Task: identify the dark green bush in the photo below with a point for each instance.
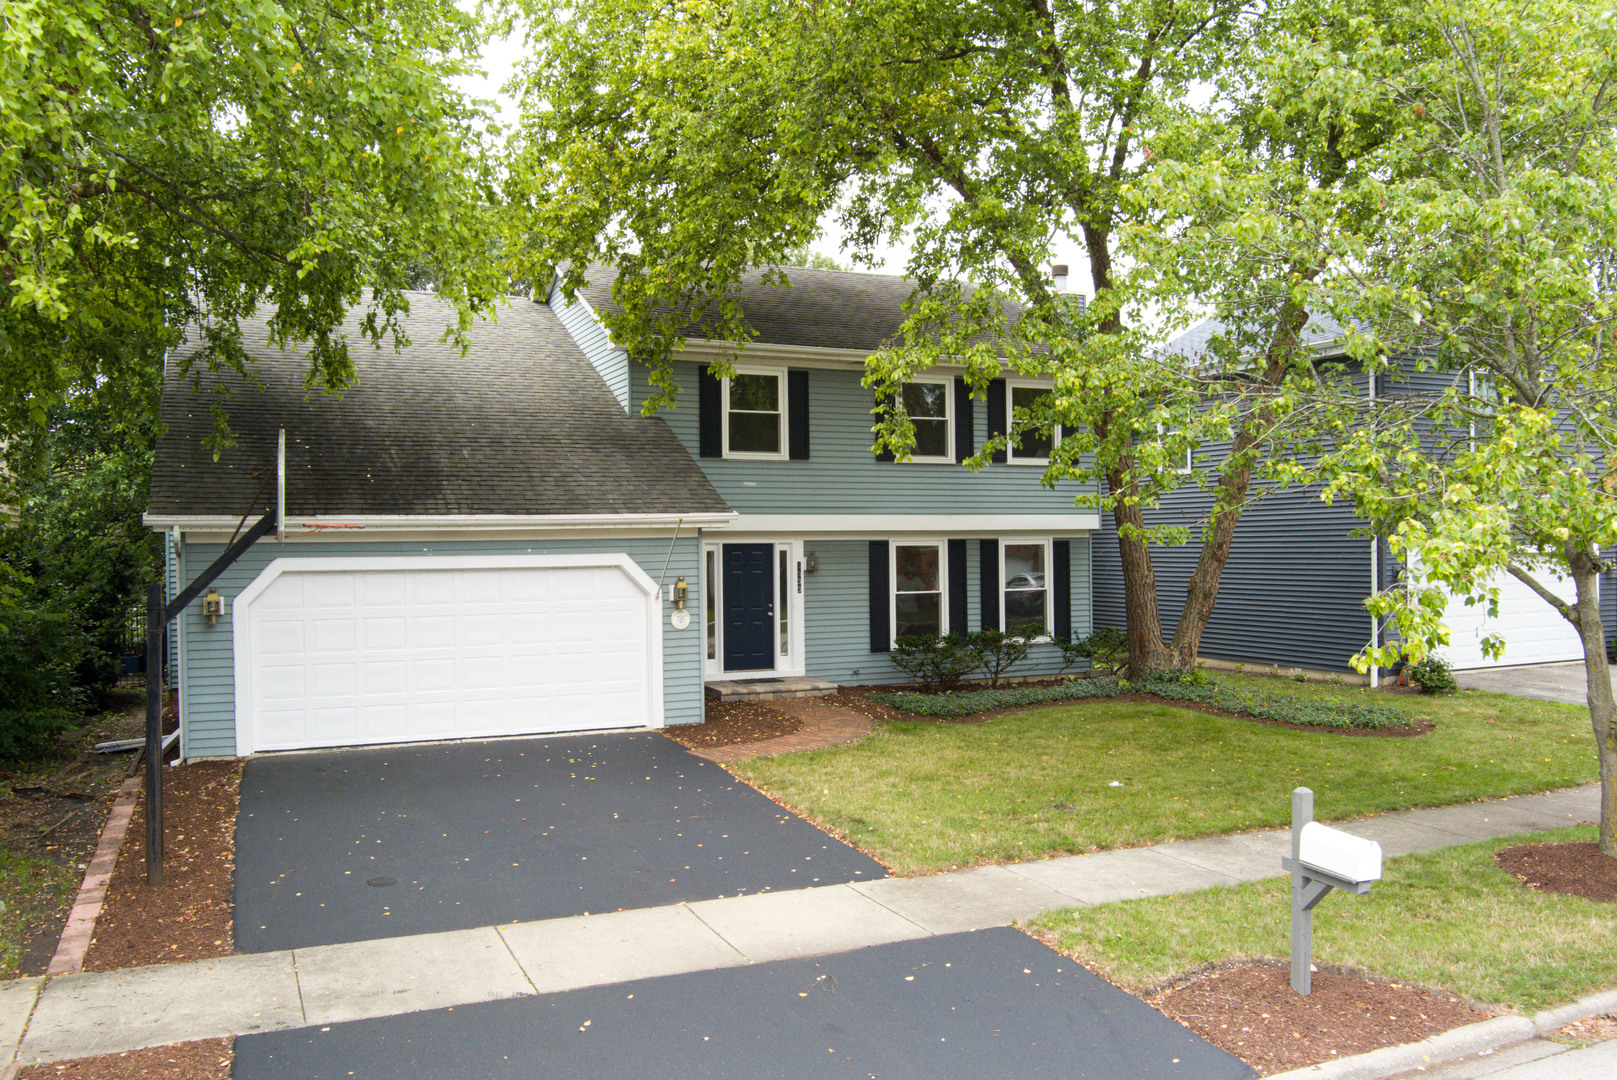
(1106, 649)
(996, 652)
(970, 702)
(1434, 675)
(937, 663)
(38, 697)
(1194, 687)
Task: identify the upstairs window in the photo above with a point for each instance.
(927, 403)
(1027, 444)
(754, 414)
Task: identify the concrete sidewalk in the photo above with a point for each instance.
(85, 1014)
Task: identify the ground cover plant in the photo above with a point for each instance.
(1060, 779)
(31, 891)
(1339, 711)
(1448, 919)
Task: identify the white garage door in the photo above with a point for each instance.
(334, 652)
(1532, 630)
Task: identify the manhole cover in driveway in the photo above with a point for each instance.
(482, 833)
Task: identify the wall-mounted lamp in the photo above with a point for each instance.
(213, 606)
(811, 563)
(682, 593)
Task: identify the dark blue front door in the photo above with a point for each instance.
(749, 607)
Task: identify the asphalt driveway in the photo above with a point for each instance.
(351, 845)
(1543, 682)
(992, 1003)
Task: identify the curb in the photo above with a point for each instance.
(80, 928)
(1460, 1042)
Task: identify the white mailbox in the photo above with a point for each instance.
(1339, 854)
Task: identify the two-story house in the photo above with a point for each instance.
(499, 544)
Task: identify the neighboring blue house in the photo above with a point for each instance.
(1293, 591)
(491, 544)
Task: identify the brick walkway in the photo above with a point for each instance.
(824, 724)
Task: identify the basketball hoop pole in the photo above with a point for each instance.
(280, 486)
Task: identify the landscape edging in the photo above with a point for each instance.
(1492, 1034)
(80, 929)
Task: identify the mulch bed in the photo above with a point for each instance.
(856, 698)
(54, 811)
(206, 1059)
(1575, 869)
(189, 916)
(1253, 1013)
(730, 723)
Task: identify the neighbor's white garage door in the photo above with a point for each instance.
(1533, 632)
(334, 653)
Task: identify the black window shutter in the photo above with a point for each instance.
(965, 440)
(709, 414)
(797, 415)
(996, 413)
(881, 626)
(989, 550)
(885, 454)
(1061, 582)
(957, 587)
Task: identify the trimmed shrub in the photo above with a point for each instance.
(971, 702)
(1192, 688)
(1434, 675)
(937, 663)
(996, 652)
(1106, 648)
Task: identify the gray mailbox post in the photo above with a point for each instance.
(1322, 859)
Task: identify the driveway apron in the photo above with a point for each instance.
(991, 1003)
(351, 845)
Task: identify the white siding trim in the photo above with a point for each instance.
(241, 624)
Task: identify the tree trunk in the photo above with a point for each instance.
(1147, 652)
(1585, 568)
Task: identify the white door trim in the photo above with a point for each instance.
(241, 624)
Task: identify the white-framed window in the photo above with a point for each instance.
(1024, 592)
(930, 404)
(1183, 466)
(919, 606)
(754, 419)
(1028, 447)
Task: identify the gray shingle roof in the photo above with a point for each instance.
(822, 309)
(1320, 332)
(521, 424)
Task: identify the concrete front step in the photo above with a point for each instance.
(769, 689)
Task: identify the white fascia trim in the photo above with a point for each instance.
(241, 609)
(450, 522)
(900, 524)
(762, 352)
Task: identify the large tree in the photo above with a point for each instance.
(684, 142)
(1494, 267)
(171, 165)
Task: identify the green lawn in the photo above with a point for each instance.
(1449, 920)
(923, 796)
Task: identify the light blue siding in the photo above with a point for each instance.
(836, 614)
(587, 331)
(208, 704)
(842, 476)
